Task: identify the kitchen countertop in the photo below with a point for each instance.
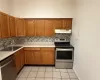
(37, 44)
(5, 54)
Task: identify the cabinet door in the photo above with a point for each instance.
(4, 25)
(18, 61)
(37, 57)
(67, 24)
(20, 27)
(29, 57)
(57, 24)
(29, 27)
(12, 26)
(39, 27)
(22, 58)
(49, 29)
(48, 56)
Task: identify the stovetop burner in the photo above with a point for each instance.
(63, 45)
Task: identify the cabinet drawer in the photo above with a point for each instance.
(29, 48)
(48, 49)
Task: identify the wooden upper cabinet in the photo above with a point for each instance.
(4, 25)
(49, 29)
(39, 28)
(12, 26)
(57, 24)
(67, 24)
(20, 27)
(29, 27)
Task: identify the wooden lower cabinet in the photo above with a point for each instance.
(32, 56)
(19, 60)
(29, 57)
(47, 56)
(39, 56)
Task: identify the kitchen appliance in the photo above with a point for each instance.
(64, 54)
(62, 31)
(8, 69)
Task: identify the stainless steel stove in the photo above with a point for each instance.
(64, 54)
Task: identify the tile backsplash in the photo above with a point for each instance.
(6, 42)
(21, 40)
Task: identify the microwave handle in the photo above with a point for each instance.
(59, 49)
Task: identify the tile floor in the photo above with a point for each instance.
(46, 73)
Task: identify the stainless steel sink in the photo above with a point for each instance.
(11, 48)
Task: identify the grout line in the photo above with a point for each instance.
(37, 73)
(69, 76)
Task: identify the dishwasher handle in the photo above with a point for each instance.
(6, 64)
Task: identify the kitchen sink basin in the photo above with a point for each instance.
(11, 48)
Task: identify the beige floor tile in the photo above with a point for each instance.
(30, 79)
(40, 75)
(64, 75)
(41, 69)
(63, 70)
(48, 78)
(32, 74)
(55, 70)
(72, 75)
(49, 69)
(39, 79)
(20, 73)
(56, 75)
(27, 69)
(24, 74)
(70, 70)
(48, 74)
(65, 79)
(34, 69)
(21, 79)
(45, 73)
(57, 79)
(74, 79)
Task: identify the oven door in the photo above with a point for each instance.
(65, 55)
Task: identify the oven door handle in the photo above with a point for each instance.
(58, 49)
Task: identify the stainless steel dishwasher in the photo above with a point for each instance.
(8, 69)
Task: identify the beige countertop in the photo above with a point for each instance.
(37, 44)
(5, 54)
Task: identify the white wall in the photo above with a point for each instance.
(86, 39)
(43, 8)
(5, 6)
